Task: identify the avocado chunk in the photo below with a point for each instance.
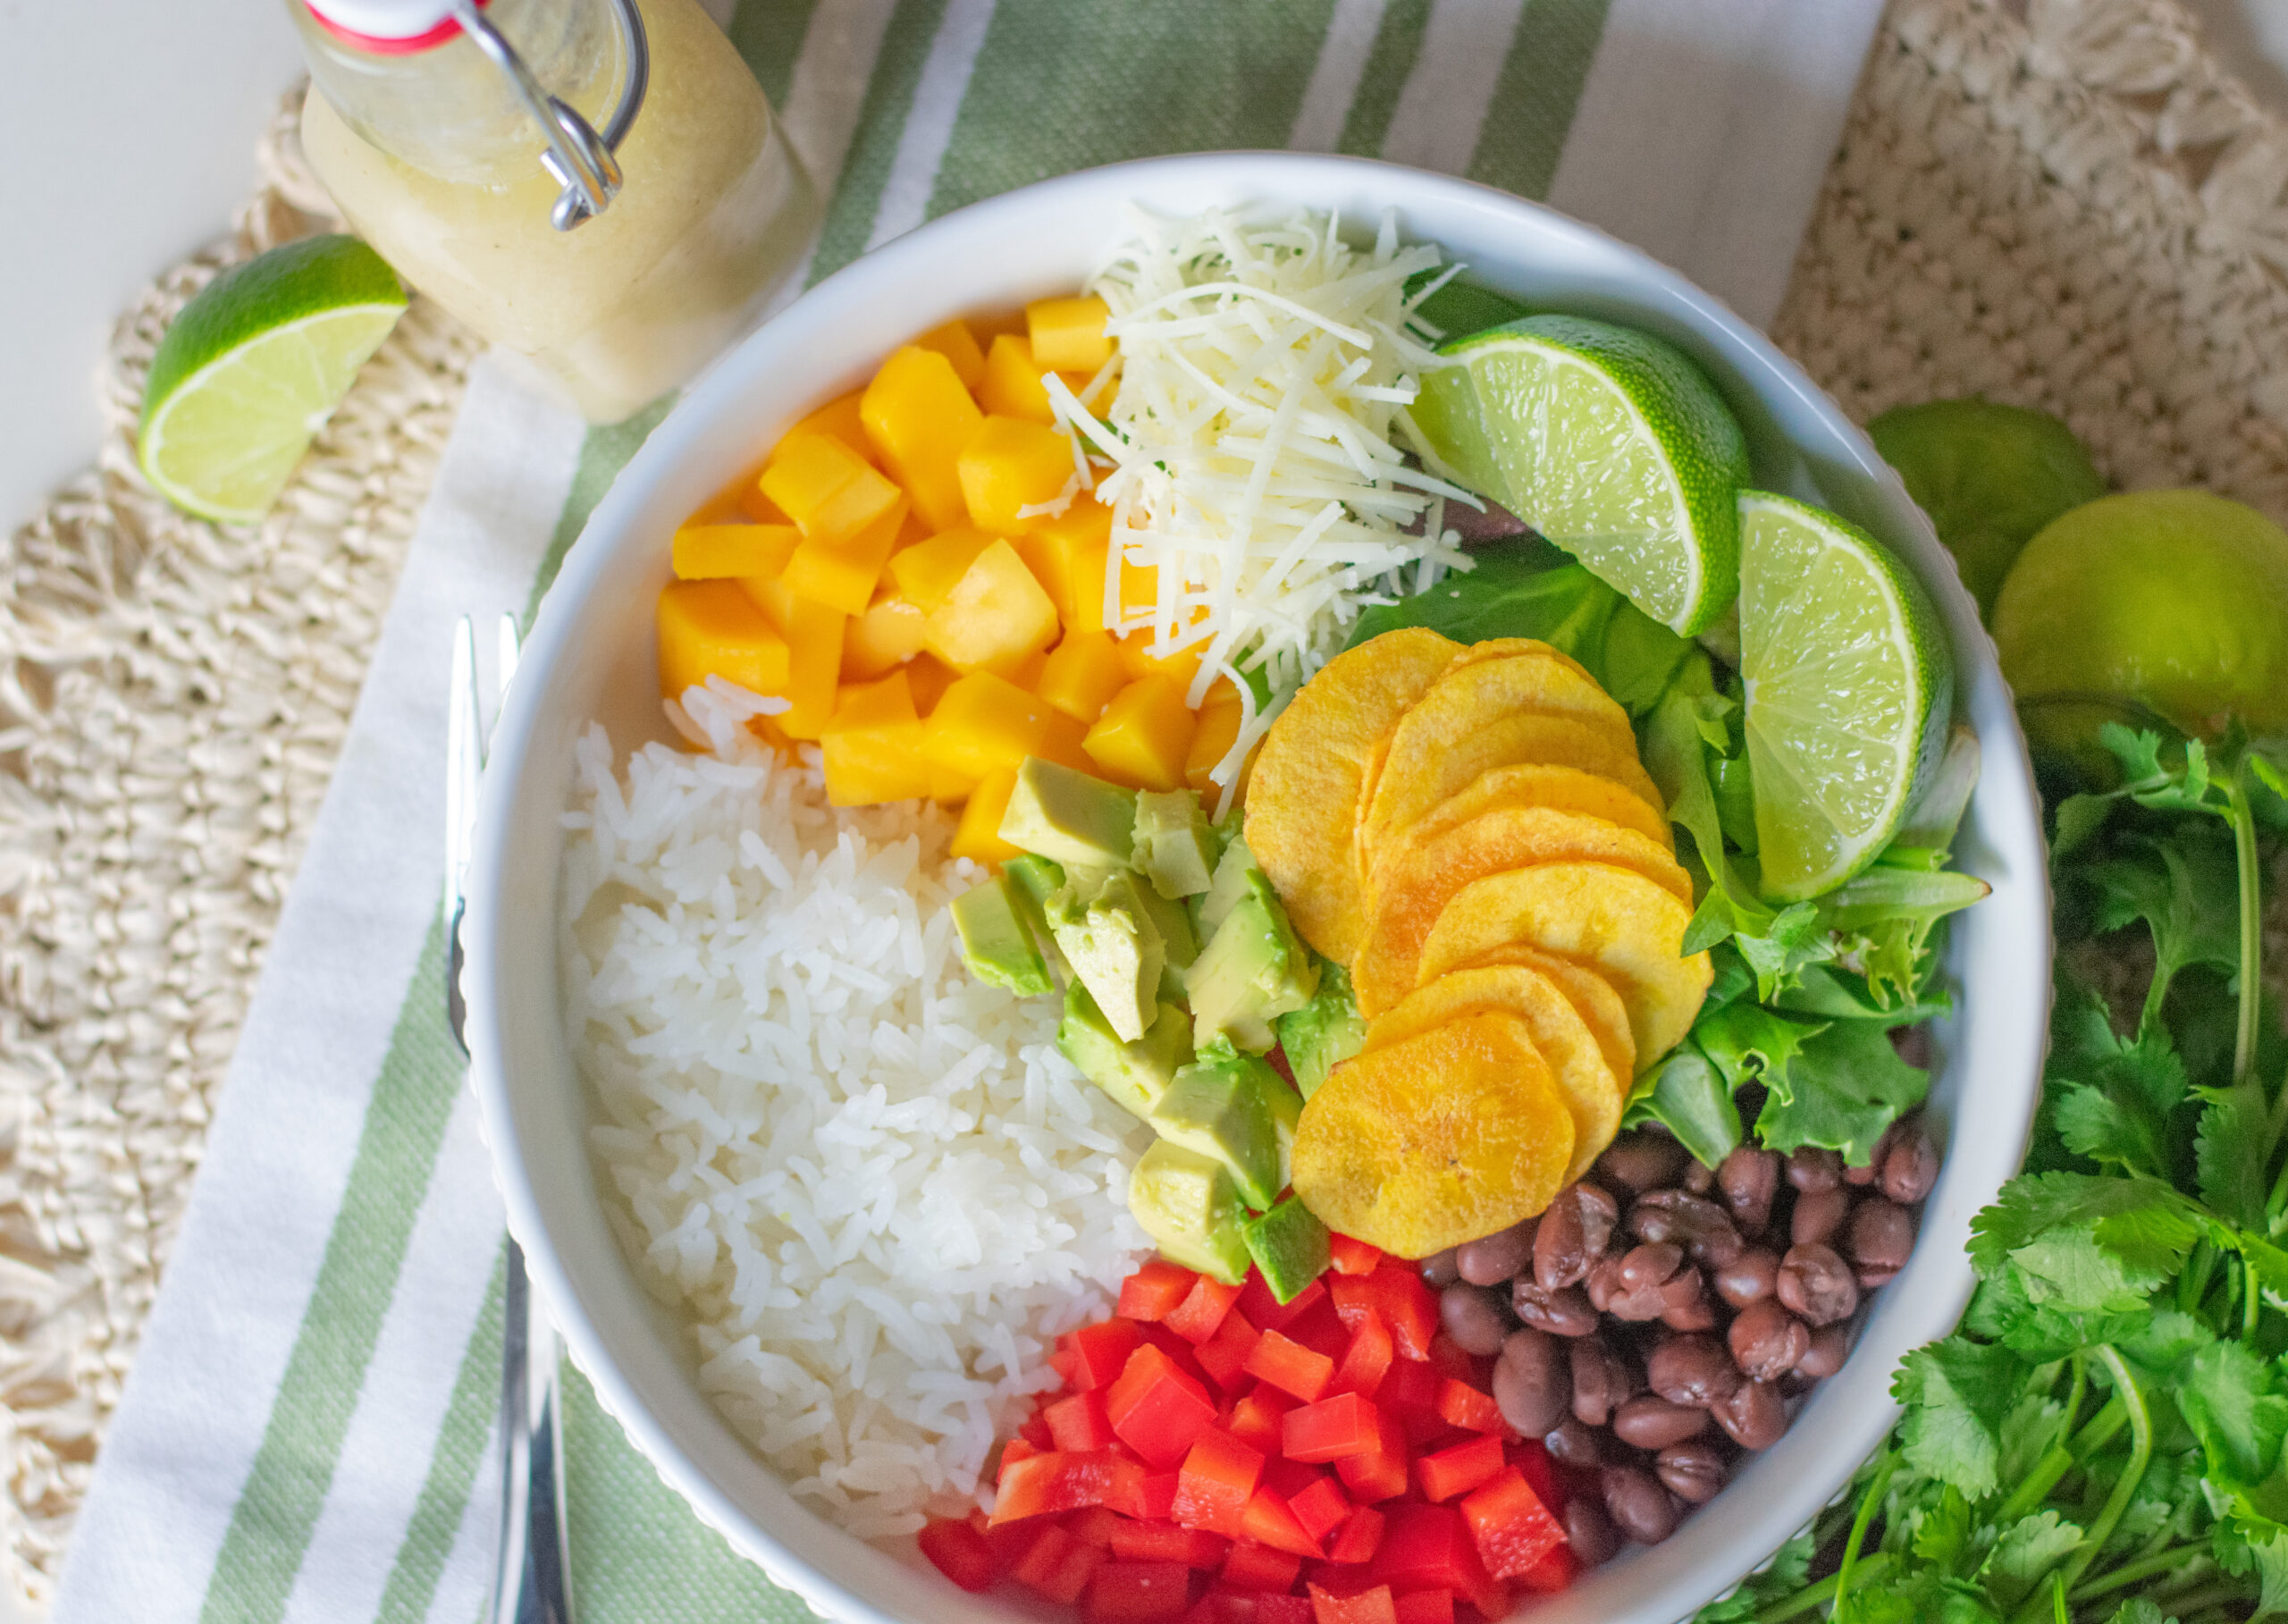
(1032, 882)
(1069, 817)
(1135, 1074)
(1225, 886)
(996, 940)
(1187, 1203)
(1174, 842)
(1224, 1104)
(1179, 947)
(1290, 1246)
(1252, 971)
(1325, 1032)
(1113, 947)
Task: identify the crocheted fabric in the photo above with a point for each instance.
(2062, 204)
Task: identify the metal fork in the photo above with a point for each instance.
(532, 1583)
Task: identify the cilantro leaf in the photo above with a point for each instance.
(2271, 1554)
(2233, 1152)
(2138, 1609)
(2085, 1243)
(2023, 1557)
(1844, 1086)
(2232, 1401)
(1956, 1393)
(2123, 1133)
(2186, 890)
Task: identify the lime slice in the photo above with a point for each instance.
(253, 368)
(1609, 441)
(1848, 686)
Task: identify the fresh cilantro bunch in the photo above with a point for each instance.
(2102, 1438)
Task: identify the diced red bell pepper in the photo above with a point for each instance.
(1288, 1479)
(1180, 1353)
(1321, 1330)
(960, 1553)
(1446, 1354)
(1283, 1610)
(1061, 1481)
(1459, 1469)
(1374, 1606)
(1093, 1526)
(1553, 1572)
(1461, 1405)
(1057, 1565)
(1290, 1367)
(1099, 1353)
(1352, 1257)
(1513, 1528)
(1367, 1359)
(1154, 1291)
(1260, 1305)
(1254, 1567)
(1008, 1542)
(1269, 1521)
(1212, 1489)
(1407, 1307)
(1359, 1538)
(1320, 1508)
(1060, 1359)
(1015, 1450)
(1427, 1607)
(1203, 1309)
(1379, 1472)
(1035, 1430)
(1156, 1499)
(1165, 1542)
(1430, 1548)
(1224, 1355)
(1080, 1420)
(1331, 1429)
(1132, 1593)
(1412, 1389)
(1255, 1420)
(1156, 1410)
(1532, 1458)
(1222, 1606)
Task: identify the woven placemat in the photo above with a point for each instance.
(2062, 204)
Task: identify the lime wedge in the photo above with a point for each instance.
(1850, 689)
(253, 368)
(1609, 441)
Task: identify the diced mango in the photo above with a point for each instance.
(1066, 554)
(958, 344)
(1009, 466)
(1179, 668)
(838, 419)
(1211, 739)
(996, 616)
(715, 629)
(882, 639)
(930, 678)
(1081, 675)
(927, 572)
(1013, 385)
(813, 634)
(978, 836)
(828, 490)
(1143, 737)
(750, 504)
(986, 722)
(1069, 333)
(715, 553)
(872, 744)
(840, 571)
(919, 415)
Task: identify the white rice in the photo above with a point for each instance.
(871, 1181)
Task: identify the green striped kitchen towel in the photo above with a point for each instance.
(306, 1435)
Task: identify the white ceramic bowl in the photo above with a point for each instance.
(591, 656)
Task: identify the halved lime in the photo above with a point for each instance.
(1850, 689)
(1609, 441)
(252, 368)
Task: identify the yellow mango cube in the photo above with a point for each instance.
(828, 490)
(958, 344)
(1081, 675)
(919, 415)
(1009, 466)
(925, 573)
(985, 722)
(1069, 333)
(841, 571)
(813, 634)
(872, 745)
(1217, 727)
(715, 629)
(882, 639)
(978, 836)
(929, 677)
(996, 616)
(715, 553)
(1180, 668)
(1066, 552)
(1144, 735)
(838, 419)
(1013, 386)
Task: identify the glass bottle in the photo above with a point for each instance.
(436, 155)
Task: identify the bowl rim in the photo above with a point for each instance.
(2006, 1125)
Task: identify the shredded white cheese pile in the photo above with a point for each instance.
(1263, 368)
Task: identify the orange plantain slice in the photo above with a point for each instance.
(1627, 928)
(1541, 784)
(1593, 1092)
(1435, 1140)
(1303, 795)
(1590, 994)
(1417, 877)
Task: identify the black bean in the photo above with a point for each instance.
(1817, 1285)
(1813, 1168)
(1589, 1531)
(1693, 1470)
(1881, 1234)
(1913, 1045)
(1819, 1214)
(1533, 1381)
(1692, 1222)
(1692, 1370)
(1641, 1161)
(1570, 1443)
(1767, 1342)
(1684, 1302)
(1639, 1505)
(1699, 1177)
(1565, 1312)
(1573, 1235)
(1473, 1317)
(1602, 1383)
(1492, 1259)
(1755, 1418)
(1830, 1345)
(1637, 1277)
(1649, 1421)
(1749, 1179)
(1912, 1167)
(1438, 1270)
(1750, 1277)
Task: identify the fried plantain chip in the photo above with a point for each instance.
(1434, 1140)
(1303, 796)
(1591, 996)
(1593, 1092)
(1417, 878)
(1621, 925)
(1542, 784)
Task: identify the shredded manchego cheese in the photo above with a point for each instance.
(1247, 453)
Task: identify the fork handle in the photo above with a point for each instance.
(534, 1584)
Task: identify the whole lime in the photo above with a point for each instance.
(2173, 603)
